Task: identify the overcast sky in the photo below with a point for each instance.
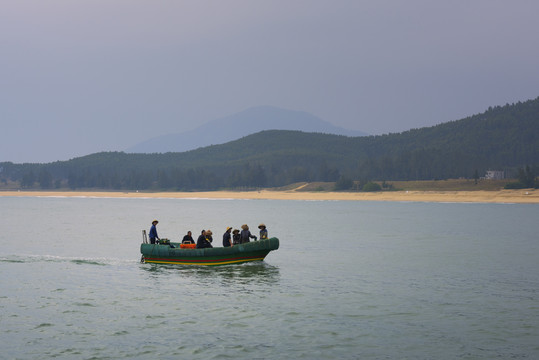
(78, 77)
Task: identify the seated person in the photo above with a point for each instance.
(209, 237)
(236, 237)
(202, 242)
(188, 239)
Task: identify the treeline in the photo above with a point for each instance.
(502, 138)
(527, 178)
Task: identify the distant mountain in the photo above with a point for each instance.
(235, 126)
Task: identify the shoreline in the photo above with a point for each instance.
(520, 196)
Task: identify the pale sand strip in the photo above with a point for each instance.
(530, 196)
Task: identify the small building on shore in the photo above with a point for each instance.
(495, 175)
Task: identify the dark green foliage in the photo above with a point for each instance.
(371, 187)
(28, 179)
(526, 179)
(45, 179)
(502, 138)
(344, 183)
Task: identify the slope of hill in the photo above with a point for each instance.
(502, 138)
(238, 125)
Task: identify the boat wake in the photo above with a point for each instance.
(30, 258)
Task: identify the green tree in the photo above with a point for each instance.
(45, 179)
(344, 183)
(526, 177)
(28, 179)
(371, 187)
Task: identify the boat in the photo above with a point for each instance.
(172, 253)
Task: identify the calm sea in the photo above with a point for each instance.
(351, 280)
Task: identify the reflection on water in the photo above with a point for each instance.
(258, 272)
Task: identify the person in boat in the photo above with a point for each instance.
(153, 232)
(236, 237)
(188, 239)
(202, 242)
(245, 234)
(227, 237)
(263, 231)
(209, 236)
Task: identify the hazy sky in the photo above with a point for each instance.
(82, 76)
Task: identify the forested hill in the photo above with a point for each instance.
(502, 138)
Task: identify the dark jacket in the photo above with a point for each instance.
(236, 239)
(203, 243)
(188, 240)
(153, 234)
(226, 239)
(245, 235)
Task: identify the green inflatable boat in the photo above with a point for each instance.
(166, 254)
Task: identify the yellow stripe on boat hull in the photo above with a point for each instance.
(202, 263)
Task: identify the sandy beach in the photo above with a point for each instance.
(525, 196)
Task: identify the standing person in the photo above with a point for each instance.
(188, 239)
(227, 237)
(153, 232)
(245, 234)
(236, 237)
(263, 231)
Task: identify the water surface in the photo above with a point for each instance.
(351, 280)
